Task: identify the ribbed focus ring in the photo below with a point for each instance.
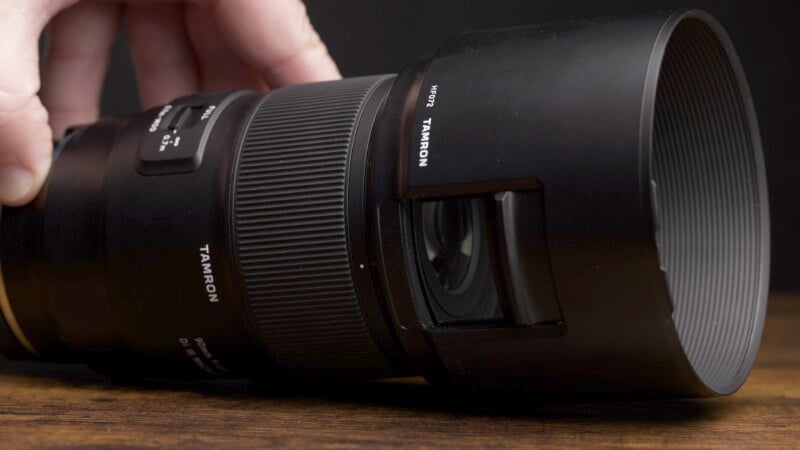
(291, 232)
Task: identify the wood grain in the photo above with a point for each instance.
(69, 406)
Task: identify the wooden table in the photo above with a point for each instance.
(64, 406)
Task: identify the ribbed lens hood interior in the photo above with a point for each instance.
(710, 200)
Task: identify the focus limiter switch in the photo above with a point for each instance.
(176, 138)
(187, 116)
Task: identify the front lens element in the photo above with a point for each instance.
(453, 243)
(449, 235)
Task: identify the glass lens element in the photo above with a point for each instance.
(447, 229)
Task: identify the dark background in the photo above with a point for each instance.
(380, 36)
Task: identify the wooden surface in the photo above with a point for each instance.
(66, 406)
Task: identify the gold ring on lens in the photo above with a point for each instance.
(11, 319)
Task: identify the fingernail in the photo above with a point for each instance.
(15, 183)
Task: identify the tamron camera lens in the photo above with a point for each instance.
(576, 207)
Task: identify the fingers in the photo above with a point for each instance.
(273, 41)
(79, 42)
(220, 68)
(25, 137)
(224, 44)
(25, 148)
(165, 62)
(277, 39)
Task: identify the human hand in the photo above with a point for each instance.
(178, 48)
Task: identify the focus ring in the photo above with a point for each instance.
(290, 230)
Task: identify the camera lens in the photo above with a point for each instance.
(564, 208)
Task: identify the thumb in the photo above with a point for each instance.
(25, 136)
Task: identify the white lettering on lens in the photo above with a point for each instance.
(157, 122)
(208, 274)
(424, 142)
(207, 112)
(432, 96)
